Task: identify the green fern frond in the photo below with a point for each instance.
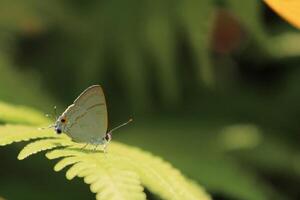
(199, 35)
(17, 133)
(21, 115)
(42, 145)
(118, 174)
(157, 175)
(199, 192)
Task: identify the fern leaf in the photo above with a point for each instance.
(21, 115)
(198, 192)
(157, 175)
(125, 182)
(199, 35)
(42, 145)
(105, 179)
(118, 174)
(159, 37)
(77, 168)
(66, 162)
(18, 133)
(60, 153)
(157, 172)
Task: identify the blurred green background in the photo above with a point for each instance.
(213, 87)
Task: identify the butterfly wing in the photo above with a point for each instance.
(87, 116)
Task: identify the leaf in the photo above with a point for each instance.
(12, 84)
(132, 74)
(161, 42)
(287, 45)
(288, 10)
(42, 145)
(21, 115)
(240, 136)
(118, 174)
(212, 166)
(273, 156)
(18, 133)
(249, 12)
(197, 18)
(152, 31)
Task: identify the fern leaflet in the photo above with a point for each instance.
(119, 174)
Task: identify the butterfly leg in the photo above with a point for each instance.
(104, 148)
(106, 141)
(95, 149)
(96, 142)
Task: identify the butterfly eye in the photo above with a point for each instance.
(63, 120)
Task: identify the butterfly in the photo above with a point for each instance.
(86, 120)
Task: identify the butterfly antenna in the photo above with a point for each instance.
(48, 116)
(55, 112)
(130, 120)
(54, 117)
(50, 126)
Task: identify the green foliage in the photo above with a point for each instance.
(137, 43)
(132, 33)
(213, 164)
(119, 174)
(15, 115)
(247, 13)
(152, 54)
(13, 80)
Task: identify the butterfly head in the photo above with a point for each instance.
(60, 124)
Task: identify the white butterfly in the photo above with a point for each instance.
(86, 119)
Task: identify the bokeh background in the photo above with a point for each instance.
(213, 87)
